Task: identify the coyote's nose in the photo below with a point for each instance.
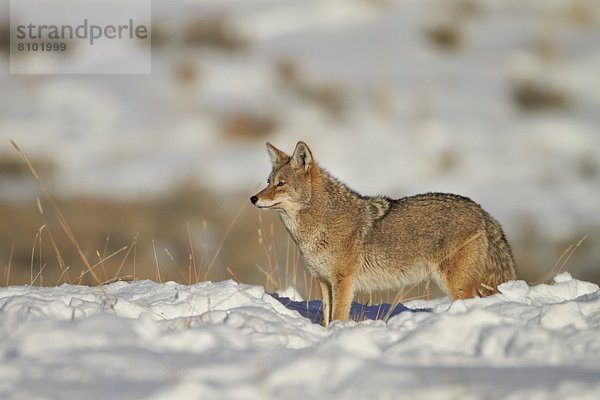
(253, 199)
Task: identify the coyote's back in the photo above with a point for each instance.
(445, 236)
(352, 242)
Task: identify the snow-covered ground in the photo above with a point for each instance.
(225, 340)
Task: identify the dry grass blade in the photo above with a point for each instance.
(225, 236)
(192, 266)
(59, 257)
(158, 277)
(59, 215)
(8, 267)
(235, 278)
(65, 226)
(122, 249)
(287, 261)
(399, 297)
(267, 243)
(271, 282)
(102, 260)
(63, 273)
(564, 257)
(132, 245)
(177, 268)
(42, 268)
(38, 235)
(100, 257)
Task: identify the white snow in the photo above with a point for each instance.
(226, 340)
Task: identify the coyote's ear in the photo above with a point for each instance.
(302, 157)
(277, 156)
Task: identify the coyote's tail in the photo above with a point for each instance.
(500, 263)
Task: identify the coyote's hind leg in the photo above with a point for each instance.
(461, 271)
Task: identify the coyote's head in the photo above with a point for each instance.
(289, 184)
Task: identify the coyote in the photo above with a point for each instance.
(355, 243)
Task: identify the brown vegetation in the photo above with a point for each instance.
(12, 166)
(4, 36)
(447, 36)
(329, 97)
(535, 96)
(215, 31)
(248, 125)
(188, 235)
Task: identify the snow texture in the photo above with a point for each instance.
(226, 340)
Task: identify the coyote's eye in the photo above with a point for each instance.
(280, 183)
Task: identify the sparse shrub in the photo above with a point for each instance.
(329, 97)
(288, 71)
(4, 36)
(446, 36)
(13, 167)
(247, 125)
(469, 8)
(588, 166)
(160, 35)
(445, 30)
(215, 31)
(187, 73)
(103, 226)
(547, 47)
(581, 13)
(535, 96)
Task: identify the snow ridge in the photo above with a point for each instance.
(229, 340)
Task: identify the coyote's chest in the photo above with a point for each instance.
(313, 241)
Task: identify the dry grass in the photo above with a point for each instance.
(4, 36)
(446, 36)
(588, 167)
(248, 125)
(562, 261)
(535, 96)
(185, 248)
(327, 96)
(161, 36)
(161, 239)
(59, 216)
(215, 31)
(446, 28)
(12, 166)
(581, 13)
(187, 73)
(186, 236)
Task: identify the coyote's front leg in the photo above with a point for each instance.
(343, 292)
(326, 299)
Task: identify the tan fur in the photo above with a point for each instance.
(357, 243)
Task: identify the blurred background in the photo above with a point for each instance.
(498, 101)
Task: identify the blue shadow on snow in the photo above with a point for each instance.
(313, 309)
